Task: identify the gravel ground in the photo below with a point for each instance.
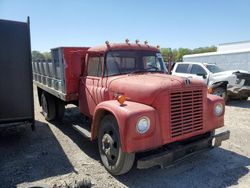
(55, 154)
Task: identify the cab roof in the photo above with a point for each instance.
(123, 46)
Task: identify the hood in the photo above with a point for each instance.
(144, 88)
(228, 73)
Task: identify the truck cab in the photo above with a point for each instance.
(135, 106)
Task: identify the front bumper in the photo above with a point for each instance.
(180, 152)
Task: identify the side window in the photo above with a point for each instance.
(95, 66)
(182, 68)
(197, 69)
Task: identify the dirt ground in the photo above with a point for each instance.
(55, 154)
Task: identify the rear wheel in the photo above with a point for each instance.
(221, 92)
(113, 158)
(48, 106)
(244, 98)
(60, 109)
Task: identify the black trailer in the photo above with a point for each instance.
(16, 88)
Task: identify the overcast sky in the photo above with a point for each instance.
(176, 23)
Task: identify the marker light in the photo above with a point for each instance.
(127, 41)
(158, 46)
(121, 99)
(137, 41)
(146, 42)
(210, 90)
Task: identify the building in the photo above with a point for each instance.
(229, 56)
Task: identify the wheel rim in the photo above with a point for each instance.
(44, 106)
(110, 148)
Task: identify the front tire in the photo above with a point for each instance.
(113, 158)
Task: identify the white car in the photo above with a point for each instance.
(227, 84)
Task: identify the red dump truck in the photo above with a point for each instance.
(135, 107)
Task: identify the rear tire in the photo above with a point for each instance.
(60, 109)
(113, 158)
(48, 106)
(244, 98)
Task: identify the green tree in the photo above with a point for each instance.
(47, 56)
(166, 53)
(176, 55)
(37, 56)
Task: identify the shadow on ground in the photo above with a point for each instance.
(216, 168)
(73, 117)
(27, 156)
(239, 103)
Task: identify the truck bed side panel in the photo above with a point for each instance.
(57, 77)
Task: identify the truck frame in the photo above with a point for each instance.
(135, 107)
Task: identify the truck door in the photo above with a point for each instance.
(92, 88)
(198, 72)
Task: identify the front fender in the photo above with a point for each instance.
(214, 122)
(127, 116)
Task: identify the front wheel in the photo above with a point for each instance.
(113, 158)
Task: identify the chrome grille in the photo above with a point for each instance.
(186, 112)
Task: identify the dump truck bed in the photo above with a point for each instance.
(58, 77)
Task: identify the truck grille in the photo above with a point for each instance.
(186, 114)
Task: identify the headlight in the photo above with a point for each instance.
(143, 125)
(218, 109)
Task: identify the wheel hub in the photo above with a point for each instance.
(109, 148)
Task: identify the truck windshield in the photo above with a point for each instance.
(128, 62)
(214, 68)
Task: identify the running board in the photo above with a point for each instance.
(83, 131)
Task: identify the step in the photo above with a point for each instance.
(83, 130)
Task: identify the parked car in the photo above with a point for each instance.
(227, 84)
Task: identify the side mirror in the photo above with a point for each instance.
(203, 75)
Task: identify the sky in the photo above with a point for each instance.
(168, 23)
